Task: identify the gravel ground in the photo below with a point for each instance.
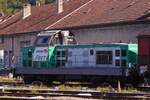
(71, 98)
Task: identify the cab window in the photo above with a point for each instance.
(42, 40)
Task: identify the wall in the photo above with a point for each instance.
(11, 46)
(6, 48)
(22, 38)
(113, 34)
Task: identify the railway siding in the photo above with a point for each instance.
(47, 93)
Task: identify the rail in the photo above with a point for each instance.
(47, 93)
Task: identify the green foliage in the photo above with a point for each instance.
(33, 2)
(9, 7)
(49, 1)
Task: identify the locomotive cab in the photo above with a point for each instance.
(42, 54)
(52, 38)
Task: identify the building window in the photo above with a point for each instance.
(117, 62)
(103, 57)
(25, 44)
(123, 53)
(1, 39)
(117, 53)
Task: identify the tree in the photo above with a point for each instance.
(33, 2)
(49, 1)
(9, 7)
(3, 6)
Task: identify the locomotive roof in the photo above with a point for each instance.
(124, 45)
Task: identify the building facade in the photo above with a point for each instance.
(126, 33)
(10, 48)
(111, 34)
(91, 21)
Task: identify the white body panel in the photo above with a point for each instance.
(81, 57)
(40, 54)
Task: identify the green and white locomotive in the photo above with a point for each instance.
(57, 56)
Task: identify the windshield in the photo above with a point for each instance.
(43, 40)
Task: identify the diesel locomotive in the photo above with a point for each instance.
(56, 55)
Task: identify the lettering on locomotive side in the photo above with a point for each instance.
(40, 54)
(40, 58)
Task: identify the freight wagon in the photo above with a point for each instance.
(57, 56)
(144, 55)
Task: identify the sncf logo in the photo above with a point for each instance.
(42, 51)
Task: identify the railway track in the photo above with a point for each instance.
(47, 94)
(144, 88)
(43, 94)
(12, 83)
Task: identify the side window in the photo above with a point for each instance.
(61, 57)
(104, 57)
(30, 54)
(61, 62)
(58, 54)
(123, 53)
(117, 53)
(63, 53)
(55, 40)
(117, 62)
(91, 52)
(123, 63)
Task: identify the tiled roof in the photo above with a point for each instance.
(3, 19)
(77, 13)
(40, 18)
(106, 11)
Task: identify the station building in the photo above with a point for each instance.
(91, 21)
